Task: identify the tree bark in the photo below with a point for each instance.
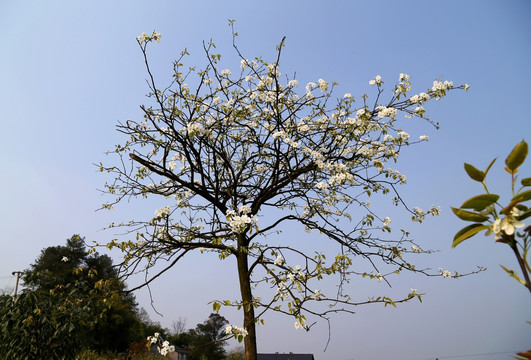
(248, 309)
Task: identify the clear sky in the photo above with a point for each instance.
(69, 71)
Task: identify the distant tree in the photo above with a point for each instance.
(237, 156)
(150, 327)
(71, 293)
(48, 325)
(237, 353)
(206, 341)
(61, 261)
(178, 326)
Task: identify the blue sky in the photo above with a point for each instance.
(69, 71)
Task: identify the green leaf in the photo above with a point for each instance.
(474, 173)
(517, 156)
(490, 165)
(467, 232)
(526, 181)
(216, 306)
(480, 202)
(525, 215)
(469, 215)
(526, 195)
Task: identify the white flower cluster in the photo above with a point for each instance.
(235, 330)
(420, 98)
(508, 224)
(145, 37)
(317, 294)
(194, 128)
(323, 85)
(388, 112)
(166, 347)
(163, 211)
(439, 88)
(340, 178)
(153, 339)
(282, 134)
(300, 324)
(445, 273)
(238, 222)
(321, 185)
(419, 214)
(278, 260)
(282, 290)
(416, 249)
(296, 272)
(403, 135)
(376, 81)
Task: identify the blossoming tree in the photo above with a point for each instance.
(243, 153)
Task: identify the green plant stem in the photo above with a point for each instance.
(522, 264)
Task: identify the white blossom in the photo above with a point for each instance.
(445, 273)
(403, 135)
(143, 37)
(235, 330)
(310, 86)
(439, 88)
(377, 80)
(386, 112)
(239, 222)
(293, 83)
(404, 77)
(323, 85)
(420, 98)
(321, 185)
(244, 209)
(300, 324)
(228, 329)
(163, 211)
(156, 36)
(419, 215)
(317, 294)
(194, 128)
(508, 224)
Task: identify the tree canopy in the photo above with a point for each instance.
(206, 341)
(236, 156)
(72, 300)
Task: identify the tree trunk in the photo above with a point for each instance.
(248, 309)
